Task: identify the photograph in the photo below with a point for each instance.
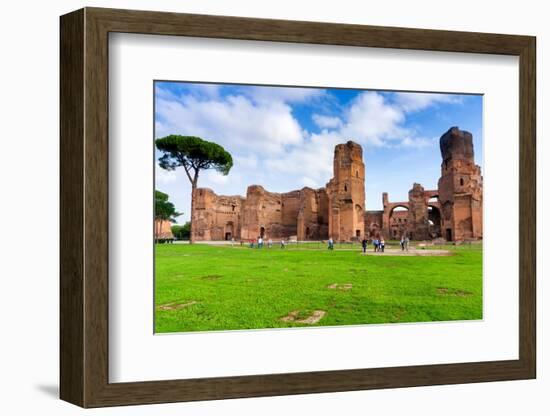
(280, 206)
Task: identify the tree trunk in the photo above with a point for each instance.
(194, 182)
(193, 191)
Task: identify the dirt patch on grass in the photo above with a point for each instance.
(174, 306)
(462, 293)
(397, 314)
(453, 292)
(211, 277)
(340, 286)
(294, 316)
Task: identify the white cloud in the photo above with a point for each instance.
(311, 160)
(372, 120)
(235, 122)
(309, 182)
(214, 177)
(410, 102)
(282, 94)
(208, 90)
(163, 176)
(327, 122)
(416, 142)
(249, 161)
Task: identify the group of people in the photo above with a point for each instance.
(259, 243)
(379, 244)
(404, 243)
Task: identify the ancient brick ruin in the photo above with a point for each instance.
(453, 211)
(460, 187)
(163, 230)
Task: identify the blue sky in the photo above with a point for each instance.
(283, 138)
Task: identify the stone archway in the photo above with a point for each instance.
(229, 231)
(388, 216)
(434, 221)
(398, 221)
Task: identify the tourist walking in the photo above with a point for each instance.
(283, 243)
(269, 243)
(407, 243)
(375, 243)
(260, 242)
(382, 244)
(402, 242)
(364, 244)
(330, 244)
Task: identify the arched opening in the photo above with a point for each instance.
(229, 233)
(434, 221)
(461, 181)
(262, 232)
(398, 221)
(345, 187)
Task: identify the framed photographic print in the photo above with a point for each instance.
(255, 207)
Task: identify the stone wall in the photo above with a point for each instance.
(417, 220)
(373, 223)
(453, 211)
(216, 217)
(346, 193)
(419, 217)
(460, 187)
(163, 230)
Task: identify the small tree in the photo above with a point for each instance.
(193, 154)
(181, 232)
(164, 211)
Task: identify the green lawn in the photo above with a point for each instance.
(200, 287)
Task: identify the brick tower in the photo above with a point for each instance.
(417, 217)
(346, 193)
(460, 187)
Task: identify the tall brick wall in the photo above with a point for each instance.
(460, 187)
(346, 193)
(453, 211)
(216, 217)
(163, 230)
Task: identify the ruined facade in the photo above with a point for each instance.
(163, 230)
(346, 193)
(419, 217)
(453, 211)
(460, 187)
(336, 210)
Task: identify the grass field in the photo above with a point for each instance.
(203, 287)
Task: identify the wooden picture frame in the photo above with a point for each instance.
(84, 207)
